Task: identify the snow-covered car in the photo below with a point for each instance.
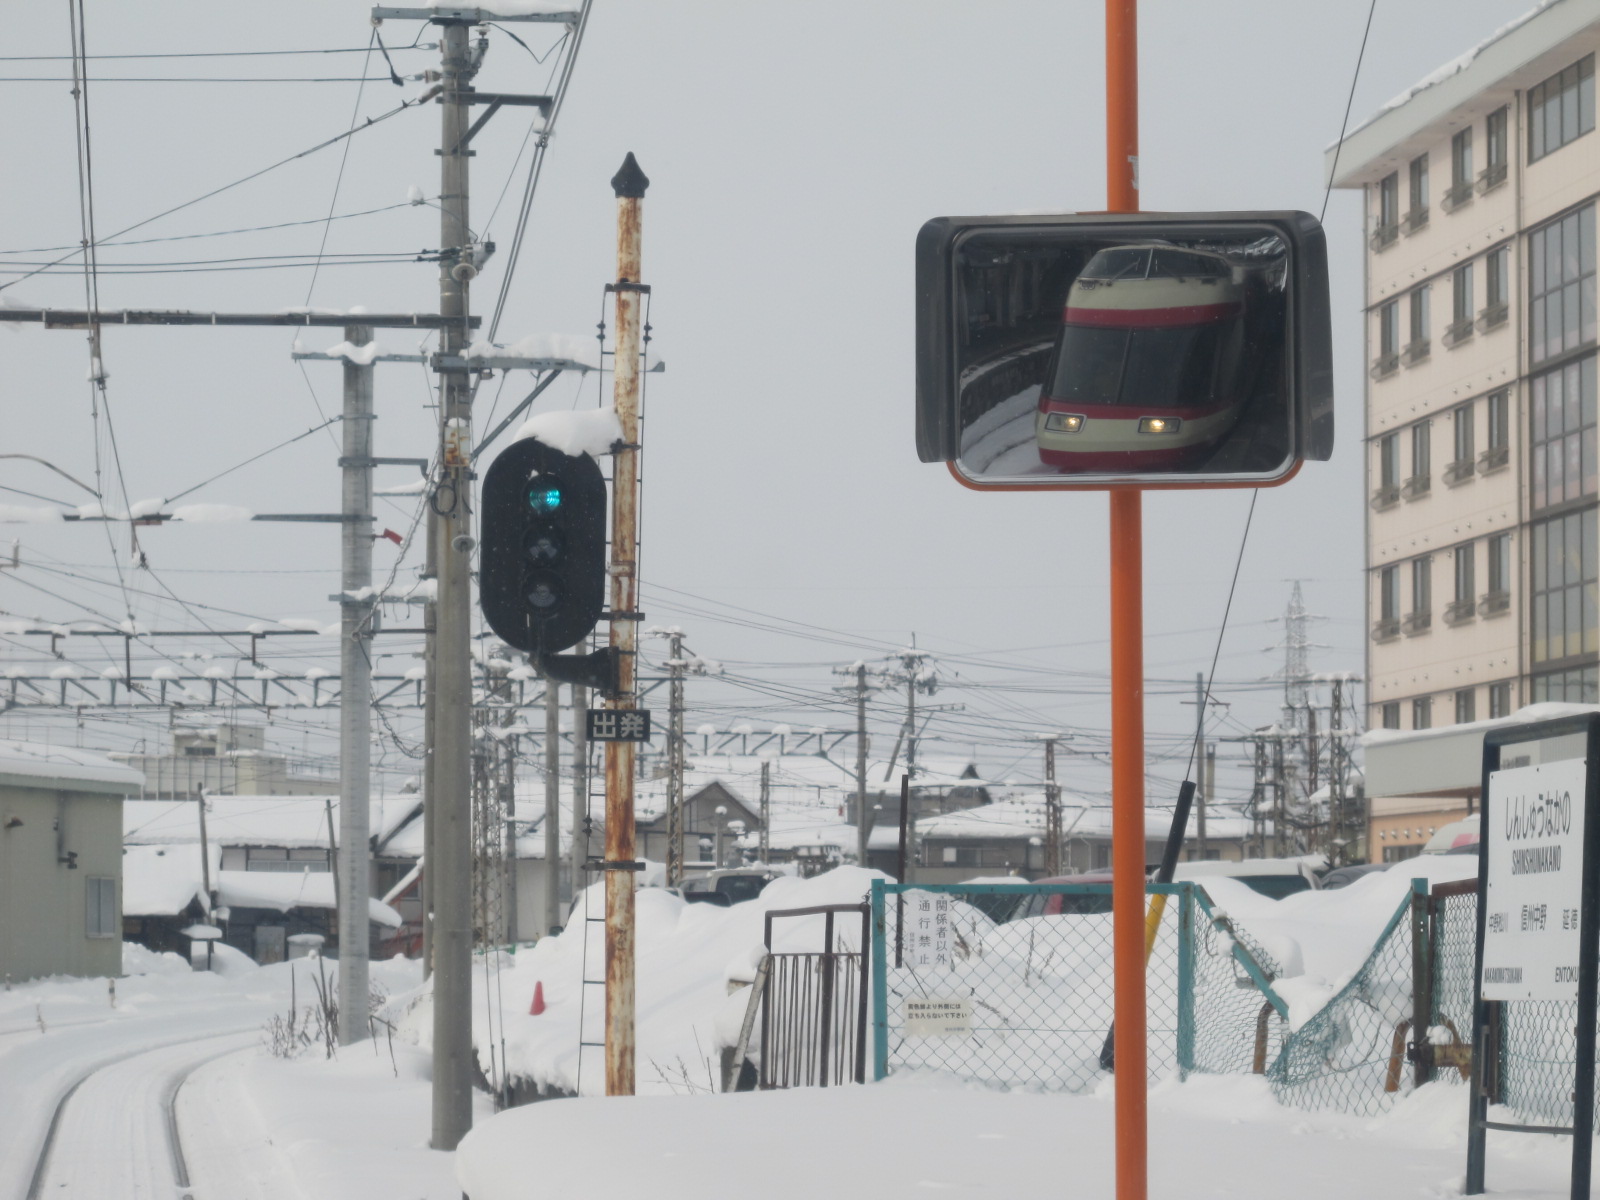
(1055, 904)
(1455, 837)
(1272, 877)
(726, 887)
(1146, 368)
(1344, 876)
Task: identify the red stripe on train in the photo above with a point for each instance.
(1147, 318)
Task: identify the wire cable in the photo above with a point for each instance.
(217, 191)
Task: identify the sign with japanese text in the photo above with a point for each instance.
(1533, 840)
(930, 930)
(619, 724)
(937, 1016)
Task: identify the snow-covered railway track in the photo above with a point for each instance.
(114, 1131)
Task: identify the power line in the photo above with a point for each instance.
(185, 237)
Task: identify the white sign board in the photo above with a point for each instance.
(937, 1016)
(930, 929)
(1534, 845)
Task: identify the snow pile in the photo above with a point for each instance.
(362, 356)
(1321, 939)
(686, 955)
(573, 349)
(591, 431)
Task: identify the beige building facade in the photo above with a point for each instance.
(1480, 188)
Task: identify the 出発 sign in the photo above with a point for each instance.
(1533, 840)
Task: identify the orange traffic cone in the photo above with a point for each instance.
(537, 1006)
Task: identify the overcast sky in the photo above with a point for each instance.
(794, 150)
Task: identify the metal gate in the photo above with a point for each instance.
(814, 1006)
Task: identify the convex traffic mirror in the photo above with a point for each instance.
(1154, 350)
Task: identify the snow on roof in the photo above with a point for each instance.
(289, 821)
(1545, 711)
(162, 881)
(1024, 816)
(284, 890)
(31, 764)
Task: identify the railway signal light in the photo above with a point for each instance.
(542, 570)
(1123, 349)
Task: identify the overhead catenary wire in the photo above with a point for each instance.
(257, 174)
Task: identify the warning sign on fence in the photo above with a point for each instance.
(937, 1016)
(1533, 839)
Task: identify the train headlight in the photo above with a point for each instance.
(1063, 422)
(1159, 424)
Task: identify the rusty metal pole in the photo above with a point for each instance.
(629, 184)
(1127, 670)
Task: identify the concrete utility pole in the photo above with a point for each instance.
(629, 185)
(552, 805)
(675, 758)
(1052, 811)
(356, 619)
(1206, 793)
(452, 544)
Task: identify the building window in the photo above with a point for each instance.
(1394, 854)
(1420, 618)
(1460, 168)
(1562, 433)
(1421, 454)
(1388, 339)
(1460, 327)
(1388, 227)
(1388, 623)
(1422, 712)
(1389, 460)
(1561, 301)
(1566, 618)
(1390, 715)
(1461, 434)
(1561, 108)
(1500, 699)
(1494, 149)
(100, 907)
(1497, 277)
(1466, 706)
(1462, 559)
(1500, 564)
(1498, 453)
(1579, 685)
(1421, 304)
(1417, 176)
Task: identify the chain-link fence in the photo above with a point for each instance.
(965, 987)
(1351, 1056)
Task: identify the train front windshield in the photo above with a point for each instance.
(1177, 367)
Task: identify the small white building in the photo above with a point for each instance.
(61, 861)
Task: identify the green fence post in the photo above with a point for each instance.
(1421, 984)
(880, 988)
(1185, 980)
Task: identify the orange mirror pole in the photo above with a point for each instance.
(1127, 668)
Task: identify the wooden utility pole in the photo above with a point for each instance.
(766, 810)
(675, 758)
(1199, 746)
(579, 866)
(863, 824)
(629, 185)
(1052, 811)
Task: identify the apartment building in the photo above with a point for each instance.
(1480, 187)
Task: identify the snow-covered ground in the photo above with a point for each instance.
(920, 1136)
(258, 1127)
